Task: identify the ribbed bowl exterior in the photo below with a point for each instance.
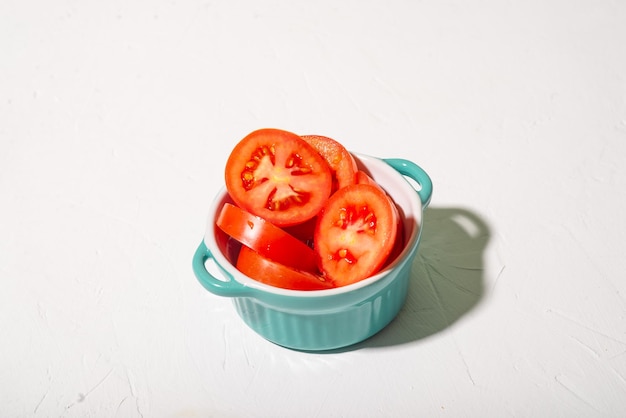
(327, 330)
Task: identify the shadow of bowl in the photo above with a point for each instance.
(446, 277)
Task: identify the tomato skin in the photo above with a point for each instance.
(363, 178)
(266, 238)
(270, 272)
(355, 233)
(278, 176)
(342, 164)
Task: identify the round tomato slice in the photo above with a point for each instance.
(267, 271)
(363, 178)
(266, 238)
(355, 233)
(342, 164)
(277, 175)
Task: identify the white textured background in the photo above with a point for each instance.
(116, 118)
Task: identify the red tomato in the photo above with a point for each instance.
(304, 231)
(277, 175)
(363, 178)
(266, 271)
(342, 165)
(398, 246)
(355, 233)
(266, 238)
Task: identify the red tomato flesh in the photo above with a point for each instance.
(355, 233)
(304, 231)
(363, 178)
(266, 238)
(342, 165)
(278, 176)
(267, 271)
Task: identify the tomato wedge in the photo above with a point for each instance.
(267, 271)
(355, 233)
(266, 238)
(277, 175)
(342, 164)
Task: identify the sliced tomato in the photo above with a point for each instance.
(355, 233)
(398, 245)
(270, 272)
(342, 164)
(277, 175)
(304, 231)
(363, 178)
(266, 238)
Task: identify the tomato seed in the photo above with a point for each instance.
(344, 254)
(264, 151)
(297, 199)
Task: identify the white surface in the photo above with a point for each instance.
(116, 118)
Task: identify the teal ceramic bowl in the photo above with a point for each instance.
(322, 319)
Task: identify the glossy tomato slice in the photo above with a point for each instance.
(363, 178)
(355, 233)
(277, 175)
(267, 271)
(266, 238)
(342, 165)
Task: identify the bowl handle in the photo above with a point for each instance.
(415, 172)
(229, 287)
